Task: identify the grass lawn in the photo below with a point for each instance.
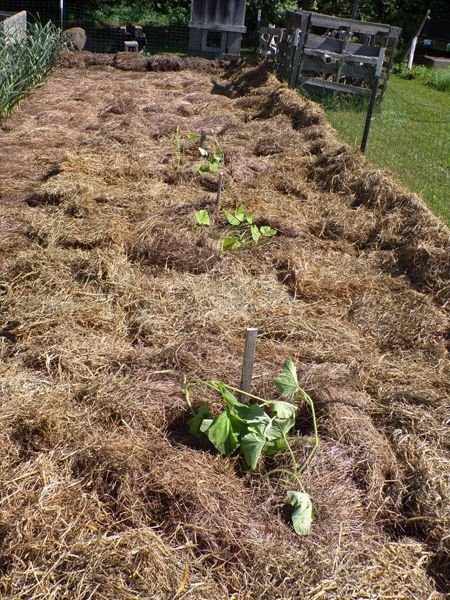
(410, 136)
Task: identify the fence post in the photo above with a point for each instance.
(373, 97)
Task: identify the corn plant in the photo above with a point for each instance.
(26, 62)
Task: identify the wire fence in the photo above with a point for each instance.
(409, 135)
(170, 38)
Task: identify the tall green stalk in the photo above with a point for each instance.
(24, 63)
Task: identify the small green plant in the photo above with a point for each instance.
(26, 62)
(213, 160)
(245, 230)
(202, 218)
(259, 429)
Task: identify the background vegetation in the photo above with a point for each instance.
(409, 135)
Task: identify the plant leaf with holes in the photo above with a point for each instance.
(302, 515)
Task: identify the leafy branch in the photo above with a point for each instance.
(258, 429)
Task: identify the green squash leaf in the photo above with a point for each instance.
(202, 217)
(256, 236)
(231, 243)
(279, 429)
(250, 414)
(196, 421)
(221, 435)
(232, 220)
(267, 231)
(206, 424)
(287, 382)
(275, 446)
(252, 445)
(282, 409)
(302, 515)
(213, 166)
(239, 214)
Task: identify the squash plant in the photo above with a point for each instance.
(259, 429)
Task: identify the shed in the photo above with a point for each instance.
(216, 28)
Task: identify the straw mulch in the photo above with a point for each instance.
(110, 296)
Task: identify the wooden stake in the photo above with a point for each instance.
(247, 363)
(202, 138)
(219, 193)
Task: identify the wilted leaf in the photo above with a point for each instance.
(282, 410)
(302, 515)
(251, 448)
(221, 435)
(287, 382)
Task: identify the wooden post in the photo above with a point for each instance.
(219, 193)
(247, 363)
(413, 43)
(202, 139)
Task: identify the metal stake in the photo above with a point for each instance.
(247, 363)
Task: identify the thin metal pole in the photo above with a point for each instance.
(355, 8)
(247, 363)
(61, 10)
(202, 138)
(373, 98)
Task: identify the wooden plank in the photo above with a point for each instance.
(300, 56)
(330, 22)
(342, 57)
(334, 45)
(333, 86)
(314, 65)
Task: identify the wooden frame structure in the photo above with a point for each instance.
(325, 52)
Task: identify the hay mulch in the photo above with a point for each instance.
(110, 296)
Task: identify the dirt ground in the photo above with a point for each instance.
(111, 297)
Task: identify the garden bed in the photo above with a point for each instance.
(111, 296)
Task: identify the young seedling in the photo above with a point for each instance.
(245, 230)
(213, 158)
(202, 218)
(258, 429)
